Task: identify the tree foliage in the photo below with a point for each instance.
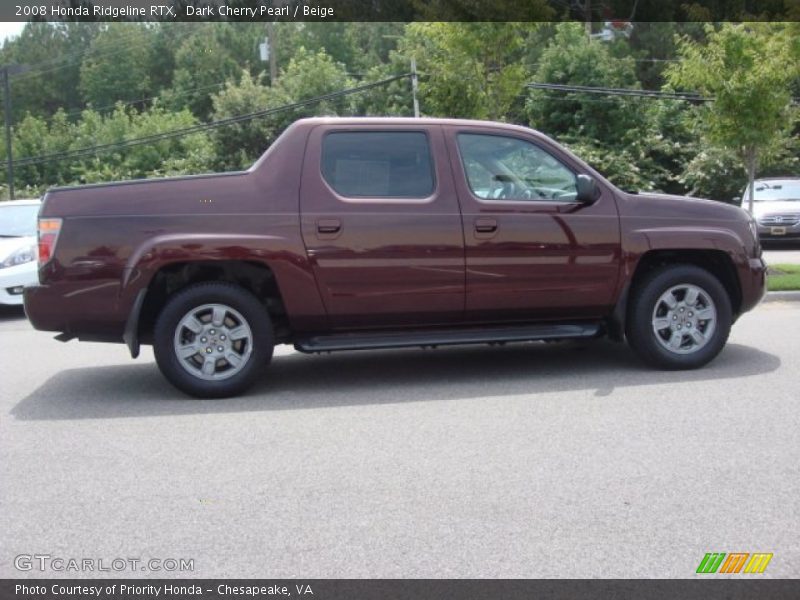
(52, 54)
(203, 63)
(624, 138)
(572, 58)
(308, 75)
(472, 70)
(747, 69)
(88, 84)
(117, 71)
(178, 155)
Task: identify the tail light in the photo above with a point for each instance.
(48, 235)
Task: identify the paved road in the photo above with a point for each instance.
(782, 254)
(525, 461)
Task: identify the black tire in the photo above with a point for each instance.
(645, 295)
(187, 374)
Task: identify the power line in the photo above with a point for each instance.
(108, 107)
(157, 137)
(608, 91)
(89, 53)
(42, 65)
(568, 99)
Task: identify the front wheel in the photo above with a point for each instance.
(211, 340)
(679, 318)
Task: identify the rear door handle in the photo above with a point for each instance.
(485, 225)
(329, 226)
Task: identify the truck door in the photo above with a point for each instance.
(532, 251)
(381, 225)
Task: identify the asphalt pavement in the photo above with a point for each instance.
(531, 460)
(776, 254)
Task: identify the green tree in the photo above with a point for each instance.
(716, 172)
(469, 70)
(627, 139)
(237, 145)
(117, 65)
(374, 42)
(573, 59)
(474, 10)
(393, 99)
(747, 69)
(52, 54)
(202, 66)
(358, 46)
(308, 75)
(170, 156)
(653, 44)
(36, 137)
(647, 157)
(332, 37)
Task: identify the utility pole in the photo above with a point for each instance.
(9, 70)
(269, 49)
(587, 15)
(272, 52)
(414, 86)
(272, 45)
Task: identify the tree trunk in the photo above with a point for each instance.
(751, 158)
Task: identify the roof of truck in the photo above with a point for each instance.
(410, 121)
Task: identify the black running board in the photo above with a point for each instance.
(444, 337)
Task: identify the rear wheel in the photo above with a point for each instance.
(211, 340)
(679, 318)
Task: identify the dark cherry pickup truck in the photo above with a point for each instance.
(365, 233)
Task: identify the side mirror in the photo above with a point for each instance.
(587, 189)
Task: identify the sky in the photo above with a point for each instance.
(9, 29)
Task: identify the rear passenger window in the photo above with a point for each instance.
(378, 164)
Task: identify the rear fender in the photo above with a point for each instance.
(290, 268)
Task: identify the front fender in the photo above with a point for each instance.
(700, 237)
(646, 238)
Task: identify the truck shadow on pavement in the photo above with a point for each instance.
(298, 381)
(12, 313)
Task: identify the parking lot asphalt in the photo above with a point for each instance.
(532, 460)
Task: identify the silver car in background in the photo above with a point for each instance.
(776, 208)
(17, 248)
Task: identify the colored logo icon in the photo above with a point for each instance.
(734, 562)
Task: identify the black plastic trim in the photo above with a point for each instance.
(445, 337)
(131, 334)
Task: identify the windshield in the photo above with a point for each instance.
(18, 220)
(770, 191)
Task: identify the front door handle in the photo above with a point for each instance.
(329, 226)
(485, 225)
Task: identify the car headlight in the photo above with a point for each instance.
(754, 227)
(20, 256)
(756, 241)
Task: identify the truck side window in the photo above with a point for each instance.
(378, 164)
(507, 168)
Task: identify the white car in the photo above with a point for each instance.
(18, 266)
(776, 208)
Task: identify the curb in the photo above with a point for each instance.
(792, 296)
